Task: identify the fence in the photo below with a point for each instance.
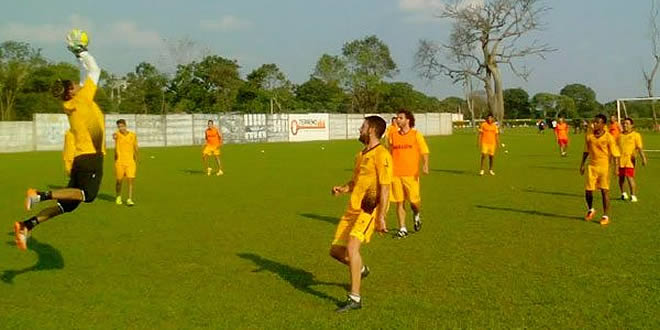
(46, 131)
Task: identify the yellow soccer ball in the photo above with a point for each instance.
(77, 38)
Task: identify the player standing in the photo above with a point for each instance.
(213, 139)
(488, 140)
(407, 147)
(599, 146)
(369, 188)
(126, 156)
(629, 143)
(561, 133)
(87, 125)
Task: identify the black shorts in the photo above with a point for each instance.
(86, 175)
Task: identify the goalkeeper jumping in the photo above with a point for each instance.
(87, 125)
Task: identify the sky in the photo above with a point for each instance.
(603, 44)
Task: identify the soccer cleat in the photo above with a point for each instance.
(31, 198)
(417, 222)
(624, 196)
(208, 171)
(21, 234)
(220, 172)
(633, 198)
(604, 220)
(401, 234)
(365, 272)
(129, 202)
(491, 172)
(590, 215)
(350, 304)
(118, 200)
(481, 172)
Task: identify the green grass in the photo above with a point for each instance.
(250, 249)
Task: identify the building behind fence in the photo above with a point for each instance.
(46, 131)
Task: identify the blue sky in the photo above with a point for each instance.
(601, 43)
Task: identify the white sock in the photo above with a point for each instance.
(355, 297)
(363, 269)
(403, 229)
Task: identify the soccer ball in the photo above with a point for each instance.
(77, 38)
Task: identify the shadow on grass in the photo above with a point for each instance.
(300, 279)
(49, 258)
(460, 172)
(325, 218)
(556, 168)
(191, 171)
(105, 197)
(554, 193)
(530, 212)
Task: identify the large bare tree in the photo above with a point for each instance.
(649, 76)
(484, 37)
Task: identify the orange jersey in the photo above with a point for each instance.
(562, 131)
(406, 150)
(615, 130)
(600, 148)
(391, 130)
(488, 133)
(213, 136)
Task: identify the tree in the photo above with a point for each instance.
(402, 95)
(210, 85)
(274, 84)
(331, 70)
(35, 96)
(584, 98)
(145, 90)
(318, 95)
(516, 103)
(552, 105)
(17, 61)
(649, 76)
(483, 37)
(368, 61)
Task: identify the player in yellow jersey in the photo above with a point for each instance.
(408, 147)
(629, 143)
(69, 151)
(369, 188)
(87, 125)
(488, 140)
(126, 156)
(213, 139)
(599, 146)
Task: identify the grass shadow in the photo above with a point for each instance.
(191, 171)
(325, 218)
(300, 279)
(556, 168)
(530, 212)
(459, 172)
(49, 258)
(554, 193)
(105, 197)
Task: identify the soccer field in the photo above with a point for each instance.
(250, 249)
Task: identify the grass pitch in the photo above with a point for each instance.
(250, 249)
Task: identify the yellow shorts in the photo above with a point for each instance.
(125, 170)
(488, 149)
(356, 223)
(405, 188)
(211, 150)
(597, 177)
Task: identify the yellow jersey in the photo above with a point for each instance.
(86, 120)
(125, 146)
(600, 148)
(488, 133)
(373, 167)
(406, 151)
(68, 153)
(628, 144)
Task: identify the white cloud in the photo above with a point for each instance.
(225, 23)
(435, 5)
(117, 33)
